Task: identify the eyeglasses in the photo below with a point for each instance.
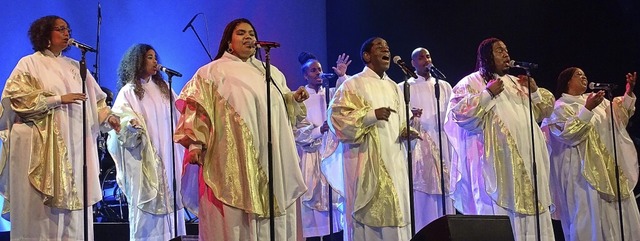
(62, 29)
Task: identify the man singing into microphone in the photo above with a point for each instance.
(426, 155)
(488, 125)
(366, 114)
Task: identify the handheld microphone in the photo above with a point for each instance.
(267, 44)
(327, 75)
(81, 46)
(190, 22)
(523, 65)
(602, 86)
(403, 66)
(169, 71)
(436, 72)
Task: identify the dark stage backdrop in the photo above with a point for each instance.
(297, 25)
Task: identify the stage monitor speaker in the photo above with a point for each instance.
(185, 238)
(467, 227)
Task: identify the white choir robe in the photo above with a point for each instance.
(228, 193)
(144, 164)
(372, 156)
(30, 218)
(427, 193)
(314, 204)
(492, 145)
(574, 135)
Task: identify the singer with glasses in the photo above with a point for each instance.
(583, 165)
(42, 154)
(312, 135)
(367, 116)
(426, 153)
(488, 124)
(142, 150)
(224, 126)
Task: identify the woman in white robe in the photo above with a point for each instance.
(142, 150)
(42, 154)
(224, 126)
(584, 184)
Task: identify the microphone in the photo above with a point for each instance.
(602, 86)
(436, 72)
(267, 44)
(190, 22)
(81, 46)
(523, 65)
(169, 71)
(403, 66)
(327, 75)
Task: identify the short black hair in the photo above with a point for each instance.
(40, 32)
(366, 47)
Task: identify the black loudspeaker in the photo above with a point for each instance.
(467, 227)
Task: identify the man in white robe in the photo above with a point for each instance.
(488, 125)
(366, 115)
(311, 137)
(427, 190)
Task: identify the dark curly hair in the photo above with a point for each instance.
(132, 67)
(563, 81)
(40, 32)
(228, 32)
(484, 61)
(305, 56)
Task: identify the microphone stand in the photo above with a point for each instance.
(533, 157)
(200, 40)
(96, 73)
(327, 99)
(272, 221)
(407, 100)
(173, 158)
(436, 91)
(615, 158)
(85, 196)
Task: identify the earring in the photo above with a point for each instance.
(229, 50)
(49, 45)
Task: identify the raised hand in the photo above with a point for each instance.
(631, 82)
(594, 99)
(342, 64)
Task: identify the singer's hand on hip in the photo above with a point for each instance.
(194, 157)
(495, 86)
(594, 99)
(631, 83)
(342, 64)
(384, 113)
(73, 98)
(524, 81)
(301, 94)
(114, 122)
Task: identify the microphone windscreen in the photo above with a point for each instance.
(397, 59)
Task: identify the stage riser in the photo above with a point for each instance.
(120, 231)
